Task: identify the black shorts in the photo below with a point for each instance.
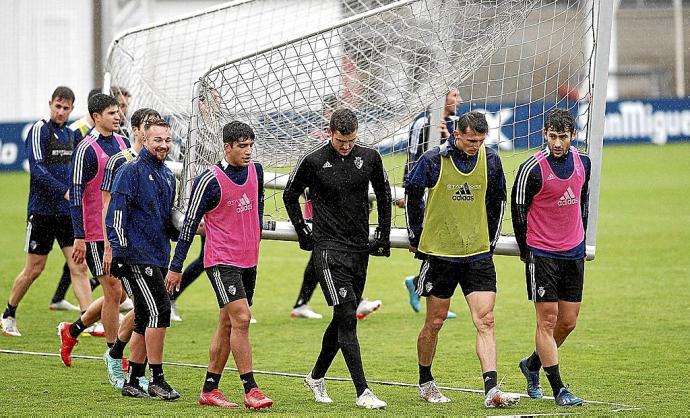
(151, 298)
(439, 278)
(232, 283)
(94, 257)
(123, 272)
(341, 274)
(553, 279)
(43, 230)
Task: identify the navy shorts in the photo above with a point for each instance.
(232, 283)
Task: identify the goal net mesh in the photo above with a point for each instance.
(514, 60)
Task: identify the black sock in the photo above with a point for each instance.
(425, 374)
(490, 380)
(63, 285)
(136, 370)
(211, 382)
(117, 349)
(534, 362)
(554, 376)
(329, 348)
(76, 328)
(94, 283)
(349, 345)
(248, 381)
(10, 311)
(156, 373)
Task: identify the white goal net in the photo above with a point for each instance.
(512, 59)
(281, 66)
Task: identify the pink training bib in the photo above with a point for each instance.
(232, 227)
(554, 221)
(92, 199)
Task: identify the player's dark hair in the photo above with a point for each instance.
(99, 102)
(343, 120)
(63, 92)
(119, 91)
(143, 114)
(473, 120)
(237, 131)
(560, 120)
(92, 93)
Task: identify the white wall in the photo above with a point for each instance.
(44, 44)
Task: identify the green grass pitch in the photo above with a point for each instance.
(631, 346)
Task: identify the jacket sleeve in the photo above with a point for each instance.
(37, 143)
(527, 185)
(495, 198)
(298, 181)
(204, 196)
(83, 161)
(382, 190)
(118, 211)
(584, 194)
(416, 182)
(260, 181)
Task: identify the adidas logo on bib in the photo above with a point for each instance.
(463, 193)
(568, 198)
(244, 204)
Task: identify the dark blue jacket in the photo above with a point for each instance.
(50, 150)
(139, 218)
(425, 174)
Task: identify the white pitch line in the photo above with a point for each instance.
(622, 407)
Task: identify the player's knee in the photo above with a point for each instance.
(485, 321)
(436, 324)
(32, 272)
(567, 325)
(547, 321)
(240, 320)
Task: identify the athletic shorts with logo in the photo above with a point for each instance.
(94, 257)
(123, 272)
(232, 283)
(341, 274)
(43, 230)
(151, 298)
(553, 279)
(439, 277)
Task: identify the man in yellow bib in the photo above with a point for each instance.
(455, 232)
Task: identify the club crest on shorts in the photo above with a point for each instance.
(232, 289)
(148, 271)
(33, 245)
(342, 292)
(358, 162)
(428, 286)
(541, 291)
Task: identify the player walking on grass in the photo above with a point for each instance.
(139, 226)
(114, 355)
(337, 173)
(549, 209)
(89, 161)
(461, 221)
(49, 144)
(229, 197)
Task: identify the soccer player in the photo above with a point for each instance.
(229, 197)
(122, 96)
(89, 161)
(49, 144)
(455, 232)
(549, 209)
(337, 173)
(139, 226)
(301, 309)
(417, 144)
(81, 127)
(113, 355)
